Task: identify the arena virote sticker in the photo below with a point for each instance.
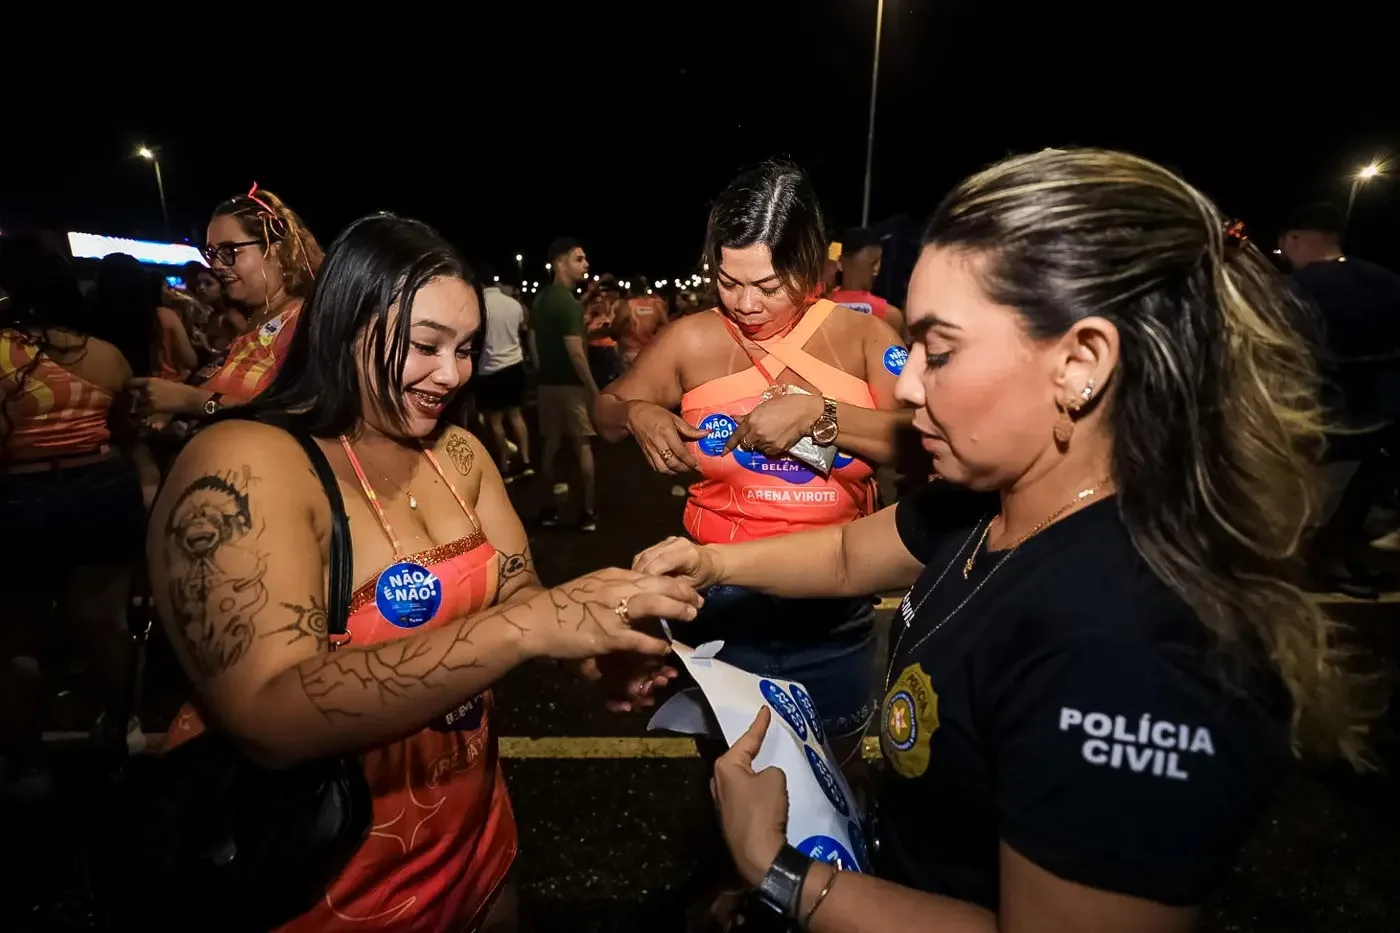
(895, 358)
(786, 469)
(465, 717)
(830, 786)
(720, 428)
(826, 849)
(408, 594)
(786, 706)
(809, 711)
(859, 307)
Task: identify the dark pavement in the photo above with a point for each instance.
(621, 843)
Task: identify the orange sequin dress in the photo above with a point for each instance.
(444, 835)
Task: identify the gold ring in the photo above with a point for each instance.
(621, 610)
(667, 455)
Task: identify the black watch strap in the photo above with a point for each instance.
(781, 888)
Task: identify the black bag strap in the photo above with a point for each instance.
(338, 611)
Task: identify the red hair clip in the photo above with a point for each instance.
(274, 222)
(1234, 233)
(274, 226)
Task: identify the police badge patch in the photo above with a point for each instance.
(908, 719)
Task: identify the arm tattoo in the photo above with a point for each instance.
(460, 450)
(308, 622)
(340, 684)
(515, 572)
(355, 682)
(215, 569)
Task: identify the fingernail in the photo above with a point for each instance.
(690, 612)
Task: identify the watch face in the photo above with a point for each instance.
(824, 432)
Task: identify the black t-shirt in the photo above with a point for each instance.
(1069, 708)
(1359, 305)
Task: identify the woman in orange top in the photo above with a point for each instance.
(70, 503)
(266, 259)
(767, 368)
(637, 323)
(448, 600)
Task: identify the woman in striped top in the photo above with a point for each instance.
(266, 259)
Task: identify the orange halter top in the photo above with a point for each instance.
(744, 495)
(443, 835)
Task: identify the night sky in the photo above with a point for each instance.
(619, 128)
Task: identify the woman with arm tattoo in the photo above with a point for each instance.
(447, 601)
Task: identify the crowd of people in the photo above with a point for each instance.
(1104, 661)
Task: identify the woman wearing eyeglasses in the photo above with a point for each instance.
(266, 259)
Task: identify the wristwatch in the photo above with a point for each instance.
(781, 888)
(212, 405)
(824, 429)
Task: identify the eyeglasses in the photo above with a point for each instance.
(225, 253)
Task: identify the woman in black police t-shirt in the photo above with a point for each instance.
(1094, 680)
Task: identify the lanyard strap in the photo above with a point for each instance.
(371, 497)
(379, 509)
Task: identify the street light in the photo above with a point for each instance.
(870, 128)
(149, 155)
(1360, 177)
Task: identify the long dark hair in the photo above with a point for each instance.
(125, 310)
(378, 260)
(1214, 404)
(39, 289)
(775, 205)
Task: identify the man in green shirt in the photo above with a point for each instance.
(566, 387)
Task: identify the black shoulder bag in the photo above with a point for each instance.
(208, 838)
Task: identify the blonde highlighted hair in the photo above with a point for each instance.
(264, 216)
(1217, 428)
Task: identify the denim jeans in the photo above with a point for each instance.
(827, 645)
(64, 518)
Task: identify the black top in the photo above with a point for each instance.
(1069, 709)
(1359, 306)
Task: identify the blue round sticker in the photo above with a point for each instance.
(857, 840)
(408, 594)
(895, 358)
(827, 780)
(826, 849)
(809, 711)
(778, 698)
(720, 428)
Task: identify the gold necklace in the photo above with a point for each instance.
(412, 502)
(1082, 496)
